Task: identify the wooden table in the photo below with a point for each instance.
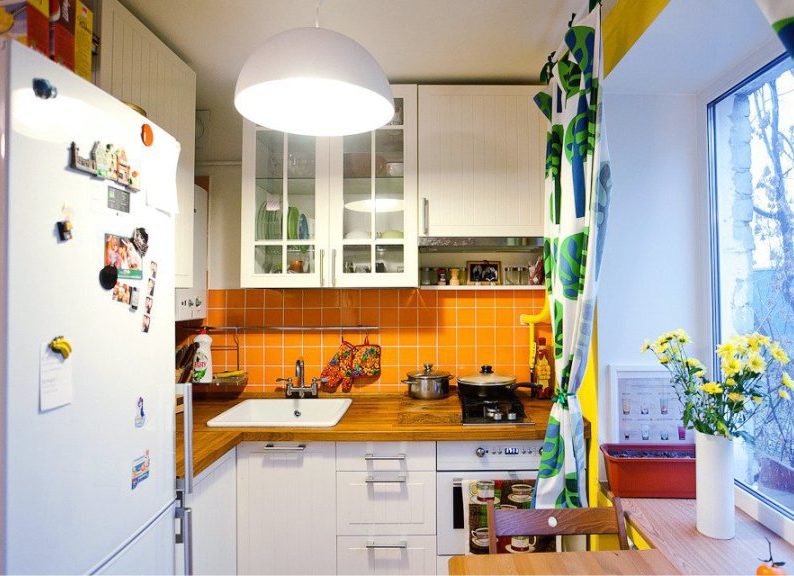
(604, 562)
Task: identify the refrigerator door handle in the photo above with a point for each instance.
(185, 537)
(187, 433)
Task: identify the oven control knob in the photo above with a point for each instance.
(481, 452)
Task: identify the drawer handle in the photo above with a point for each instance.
(402, 544)
(371, 456)
(273, 448)
(400, 479)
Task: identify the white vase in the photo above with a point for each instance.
(716, 514)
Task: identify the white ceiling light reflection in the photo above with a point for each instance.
(380, 205)
(56, 119)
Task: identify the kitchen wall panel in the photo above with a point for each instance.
(456, 330)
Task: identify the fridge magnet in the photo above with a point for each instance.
(147, 306)
(64, 230)
(146, 323)
(87, 165)
(153, 269)
(150, 287)
(122, 255)
(147, 135)
(55, 376)
(140, 469)
(101, 156)
(121, 167)
(62, 346)
(122, 293)
(133, 299)
(140, 415)
(44, 89)
(140, 239)
(108, 277)
(118, 199)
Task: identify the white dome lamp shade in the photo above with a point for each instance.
(314, 82)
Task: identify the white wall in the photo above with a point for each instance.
(655, 274)
(223, 259)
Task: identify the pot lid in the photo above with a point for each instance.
(427, 373)
(486, 377)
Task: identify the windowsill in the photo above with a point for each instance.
(669, 526)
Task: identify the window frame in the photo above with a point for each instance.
(712, 184)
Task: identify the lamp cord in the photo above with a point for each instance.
(317, 13)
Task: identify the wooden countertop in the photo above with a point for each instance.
(371, 417)
(581, 562)
(668, 525)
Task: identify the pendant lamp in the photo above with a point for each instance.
(314, 82)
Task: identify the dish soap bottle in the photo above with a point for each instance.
(202, 361)
(543, 368)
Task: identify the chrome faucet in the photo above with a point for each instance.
(300, 388)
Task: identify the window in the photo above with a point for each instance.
(752, 202)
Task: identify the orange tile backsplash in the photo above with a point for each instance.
(456, 330)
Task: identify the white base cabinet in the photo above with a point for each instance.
(286, 508)
(404, 554)
(214, 504)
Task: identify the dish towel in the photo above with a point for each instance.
(475, 522)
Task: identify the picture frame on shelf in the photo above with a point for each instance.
(483, 272)
(644, 407)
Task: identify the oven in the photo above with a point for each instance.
(457, 464)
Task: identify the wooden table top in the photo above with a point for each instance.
(370, 418)
(668, 525)
(603, 562)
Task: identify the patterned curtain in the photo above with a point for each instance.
(780, 14)
(577, 199)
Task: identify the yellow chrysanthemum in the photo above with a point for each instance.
(757, 399)
(731, 366)
(753, 342)
(664, 359)
(645, 346)
(740, 344)
(700, 374)
(712, 388)
(694, 363)
(681, 336)
(784, 394)
(778, 353)
(730, 382)
(736, 397)
(787, 381)
(726, 350)
(755, 363)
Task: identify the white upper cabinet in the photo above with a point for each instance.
(481, 161)
(137, 68)
(335, 212)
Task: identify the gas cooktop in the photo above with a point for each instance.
(504, 408)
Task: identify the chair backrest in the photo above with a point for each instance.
(557, 521)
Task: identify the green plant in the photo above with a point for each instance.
(721, 407)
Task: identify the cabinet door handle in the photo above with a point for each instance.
(333, 267)
(426, 215)
(322, 267)
(370, 456)
(400, 479)
(274, 448)
(370, 545)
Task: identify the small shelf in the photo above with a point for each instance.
(289, 328)
(472, 287)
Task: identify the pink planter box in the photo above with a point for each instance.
(650, 470)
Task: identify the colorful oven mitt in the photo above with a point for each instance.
(339, 369)
(366, 359)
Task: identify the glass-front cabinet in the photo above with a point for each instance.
(331, 211)
(373, 224)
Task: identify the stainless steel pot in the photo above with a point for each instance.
(486, 384)
(428, 384)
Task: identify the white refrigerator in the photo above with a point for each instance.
(87, 479)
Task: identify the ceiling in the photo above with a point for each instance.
(453, 41)
(690, 45)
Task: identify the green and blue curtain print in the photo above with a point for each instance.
(577, 189)
(780, 14)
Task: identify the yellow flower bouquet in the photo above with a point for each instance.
(717, 407)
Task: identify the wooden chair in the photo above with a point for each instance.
(556, 522)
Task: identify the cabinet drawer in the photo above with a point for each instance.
(385, 456)
(386, 503)
(401, 554)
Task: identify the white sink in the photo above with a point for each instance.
(298, 412)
